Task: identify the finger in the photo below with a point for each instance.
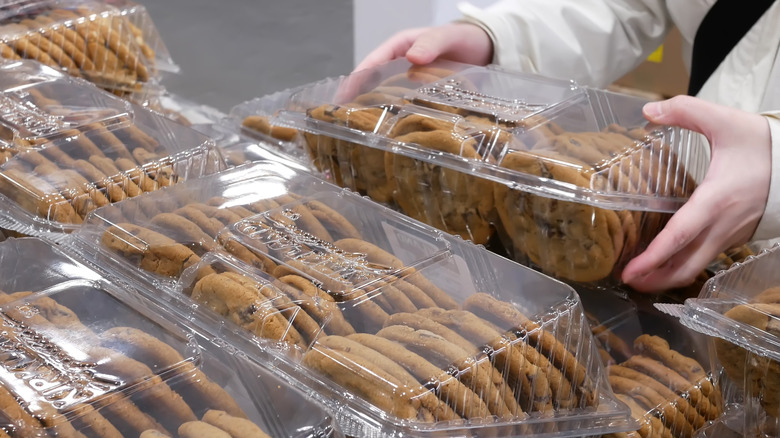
(395, 47)
(429, 46)
(685, 226)
(682, 268)
(686, 112)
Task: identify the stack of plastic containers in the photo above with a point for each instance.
(657, 366)
(570, 179)
(398, 327)
(83, 357)
(69, 148)
(738, 310)
(111, 43)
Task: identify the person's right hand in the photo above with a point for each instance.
(461, 42)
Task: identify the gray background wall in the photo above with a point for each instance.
(230, 51)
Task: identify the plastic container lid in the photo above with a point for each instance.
(494, 114)
(656, 365)
(69, 148)
(83, 356)
(40, 104)
(286, 246)
(570, 180)
(114, 44)
(182, 222)
(738, 309)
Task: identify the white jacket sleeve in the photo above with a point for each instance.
(591, 41)
(769, 227)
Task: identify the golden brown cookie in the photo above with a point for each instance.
(260, 124)
(108, 167)
(199, 390)
(409, 275)
(184, 231)
(506, 315)
(658, 348)
(692, 416)
(236, 427)
(316, 303)
(152, 251)
(199, 429)
(523, 374)
(447, 199)
(113, 191)
(246, 307)
(674, 381)
(652, 401)
(567, 239)
(449, 389)
(292, 311)
(428, 400)
(649, 426)
(360, 376)
(474, 373)
(37, 195)
(336, 224)
(152, 433)
(757, 374)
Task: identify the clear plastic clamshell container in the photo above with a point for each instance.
(69, 148)
(738, 309)
(402, 328)
(571, 179)
(82, 357)
(111, 43)
(657, 366)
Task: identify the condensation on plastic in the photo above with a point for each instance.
(69, 148)
(300, 266)
(111, 43)
(81, 355)
(489, 154)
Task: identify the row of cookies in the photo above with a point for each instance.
(116, 382)
(95, 41)
(669, 394)
(567, 195)
(75, 154)
(323, 279)
(571, 240)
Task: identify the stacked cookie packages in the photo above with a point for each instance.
(398, 327)
(68, 148)
(566, 179)
(738, 309)
(83, 357)
(112, 44)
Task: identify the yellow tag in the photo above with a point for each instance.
(658, 55)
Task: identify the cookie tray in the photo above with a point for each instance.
(737, 309)
(111, 43)
(656, 365)
(69, 147)
(480, 152)
(300, 263)
(83, 357)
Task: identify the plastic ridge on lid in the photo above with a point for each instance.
(82, 354)
(390, 320)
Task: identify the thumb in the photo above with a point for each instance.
(427, 48)
(684, 111)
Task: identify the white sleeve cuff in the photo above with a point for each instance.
(769, 226)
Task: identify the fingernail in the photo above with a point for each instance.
(652, 109)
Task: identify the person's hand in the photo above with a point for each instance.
(461, 42)
(725, 208)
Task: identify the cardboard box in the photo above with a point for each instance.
(663, 74)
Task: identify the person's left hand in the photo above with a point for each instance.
(725, 208)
